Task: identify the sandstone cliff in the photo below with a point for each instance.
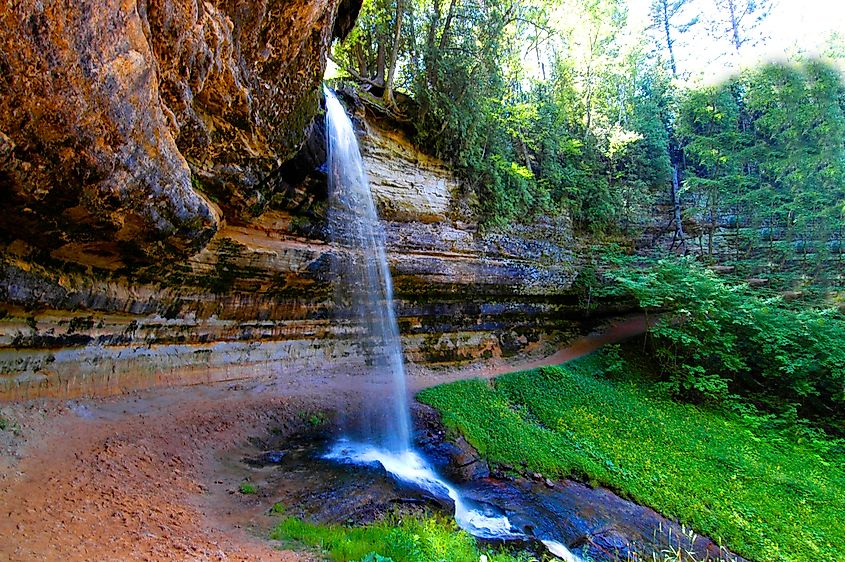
(165, 208)
(257, 298)
(121, 120)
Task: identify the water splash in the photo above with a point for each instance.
(560, 551)
(364, 292)
(408, 466)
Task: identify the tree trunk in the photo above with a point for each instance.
(712, 230)
(446, 26)
(588, 99)
(361, 60)
(432, 55)
(664, 5)
(444, 37)
(394, 55)
(525, 153)
(379, 79)
(734, 25)
(412, 31)
(588, 86)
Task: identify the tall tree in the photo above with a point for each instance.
(664, 14)
(766, 158)
(737, 18)
(716, 151)
(394, 55)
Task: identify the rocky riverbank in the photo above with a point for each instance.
(156, 474)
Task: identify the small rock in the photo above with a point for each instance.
(548, 482)
(273, 457)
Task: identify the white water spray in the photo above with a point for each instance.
(408, 466)
(364, 295)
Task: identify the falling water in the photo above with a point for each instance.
(364, 297)
(364, 293)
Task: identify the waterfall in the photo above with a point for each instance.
(363, 288)
(364, 299)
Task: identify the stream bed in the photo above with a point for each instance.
(592, 522)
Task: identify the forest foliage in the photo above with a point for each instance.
(537, 115)
(554, 107)
(724, 343)
(765, 157)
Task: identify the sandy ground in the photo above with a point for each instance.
(144, 476)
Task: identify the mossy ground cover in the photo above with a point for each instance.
(766, 494)
(409, 539)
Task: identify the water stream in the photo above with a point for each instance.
(363, 288)
(364, 299)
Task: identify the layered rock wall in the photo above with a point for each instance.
(164, 208)
(258, 298)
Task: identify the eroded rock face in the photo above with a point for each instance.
(118, 118)
(406, 183)
(258, 298)
(142, 143)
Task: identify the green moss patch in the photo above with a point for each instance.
(767, 494)
(409, 539)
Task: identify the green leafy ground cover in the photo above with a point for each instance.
(409, 539)
(767, 495)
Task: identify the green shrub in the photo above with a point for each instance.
(248, 488)
(717, 340)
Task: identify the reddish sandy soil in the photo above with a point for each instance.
(145, 477)
(131, 478)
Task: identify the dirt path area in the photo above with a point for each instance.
(131, 478)
(621, 330)
(141, 476)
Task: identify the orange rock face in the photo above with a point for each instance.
(157, 231)
(257, 300)
(116, 115)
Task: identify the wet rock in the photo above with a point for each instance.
(592, 521)
(452, 455)
(266, 458)
(273, 456)
(465, 463)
